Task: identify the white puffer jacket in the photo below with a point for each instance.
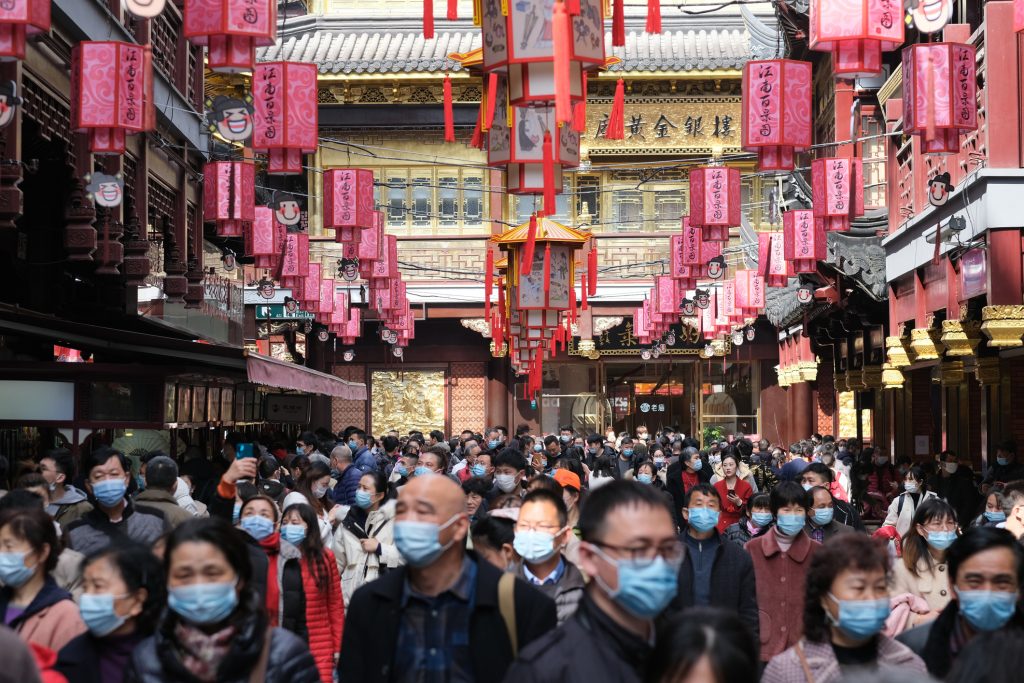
(358, 567)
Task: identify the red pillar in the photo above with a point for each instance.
(1004, 267)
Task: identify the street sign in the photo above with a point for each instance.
(278, 312)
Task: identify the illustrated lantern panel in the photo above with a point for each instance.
(776, 111)
(805, 242)
(715, 200)
(534, 83)
(348, 198)
(837, 190)
(535, 292)
(285, 114)
(528, 127)
(111, 93)
(529, 178)
(232, 29)
(19, 19)
(939, 94)
(526, 34)
(229, 195)
(856, 32)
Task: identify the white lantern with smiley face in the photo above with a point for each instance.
(230, 117)
(106, 190)
(9, 102)
(144, 9)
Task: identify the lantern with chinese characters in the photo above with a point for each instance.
(310, 294)
(703, 257)
(348, 201)
(18, 19)
(771, 259)
(804, 239)
(353, 327)
(776, 111)
(749, 292)
(229, 195)
(856, 32)
(837, 191)
(325, 307)
(111, 92)
(715, 201)
(264, 238)
(294, 261)
(232, 30)
(285, 116)
(939, 95)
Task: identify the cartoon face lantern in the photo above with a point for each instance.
(144, 9)
(230, 117)
(9, 102)
(265, 288)
(687, 307)
(348, 269)
(716, 267)
(323, 335)
(227, 259)
(702, 298)
(106, 190)
(939, 188)
(290, 304)
(929, 16)
(805, 293)
(287, 211)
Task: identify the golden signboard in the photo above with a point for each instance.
(698, 125)
(412, 399)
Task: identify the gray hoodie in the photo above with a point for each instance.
(70, 497)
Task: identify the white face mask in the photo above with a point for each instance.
(951, 467)
(506, 482)
(911, 486)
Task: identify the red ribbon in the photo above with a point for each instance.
(562, 49)
(449, 114)
(549, 176)
(428, 19)
(654, 16)
(618, 24)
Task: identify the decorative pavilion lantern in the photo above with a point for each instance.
(348, 201)
(776, 111)
(856, 32)
(229, 195)
(715, 201)
(264, 238)
(111, 92)
(18, 19)
(837, 191)
(771, 259)
(285, 116)
(804, 239)
(232, 30)
(939, 94)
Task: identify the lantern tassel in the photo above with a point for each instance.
(654, 16)
(477, 139)
(453, 10)
(617, 116)
(547, 269)
(531, 244)
(488, 281)
(549, 176)
(579, 114)
(592, 270)
(618, 24)
(562, 48)
(583, 290)
(449, 114)
(428, 19)
(492, 96)
(572, 7)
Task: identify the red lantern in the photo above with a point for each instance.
(111, 92)
(326, 303)
(232, 29)
(856, 32)
(805, 242)
(264, 238)
(771, 259)
(776, 111)
(348, 200)
(294, 261)
(339, 316)
(285, 117)
(229, 193)
(715, 201)
(18, 19)
(939, 94)
(837, 191)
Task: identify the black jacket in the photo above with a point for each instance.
(674, 485)
(959, 491)
(847, 514)
(79, 660)
(374, 613)
(588, 648)
(732, 584)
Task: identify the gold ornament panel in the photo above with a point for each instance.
(407, 400)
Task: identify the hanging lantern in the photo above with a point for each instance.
(264, 238)
(837, 191)
(310, 294)
(348, 201)
(703, 257)
(856, 32)
(805, 242)
(519, 144)
(285, 116)
(326, 303)
(939, 95)
(749, 292)
(18, 19)
(231, 29)
(229, 195)
(523, 35)
(294, 261)
(776, 111)
(1018, 16)
(353, 328)
(771, 259)
(111, 93)
(715, 201)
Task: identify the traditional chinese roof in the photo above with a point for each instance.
(547, 231)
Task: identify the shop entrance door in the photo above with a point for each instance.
(656, 394)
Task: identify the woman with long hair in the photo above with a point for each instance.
(903, 508)
(364, 544)
(922, 570)
(733, 491)
(313, 489)
(322, 617)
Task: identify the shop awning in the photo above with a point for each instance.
(275, 373)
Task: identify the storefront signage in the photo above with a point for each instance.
(287, 408)
(280, 312)
(622, 340)
(696, 124)
(652, 407)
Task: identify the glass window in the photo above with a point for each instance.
(873, 153)
(628, 208)
(669, 208)
(472, 200)
(421, 192)
(447, 199)
(396, 191)
(588, 197)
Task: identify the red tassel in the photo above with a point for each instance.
(428, 19)
(492, 90)
(579, 114)
(617, 116)
(583, 290)
(488, 281)
(549, 176)
(562, 49)
(477, 140)
(572, 301)
(618, 24)
(531, 244)
(449, 114)
(453, 10)
(547, 269)
(572, 7)
(592, 270)
(654, 16)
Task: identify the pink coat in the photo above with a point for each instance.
(54, 626)
(824, 668)
(779, 577)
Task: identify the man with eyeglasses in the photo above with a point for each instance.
(631, 552)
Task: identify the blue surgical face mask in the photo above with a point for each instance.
(565, 438)
(402, 470)
(645, 588)
(761, 518)
(987, 610)
(203, 603)
(422, 470)
(791, 524)
(492, 444)
(363, 499)
(420, 542)
(1003, 461)
(109, 492)
(256, 526)
(140, 482)
(98, 613)
(940, 540)
(644, 478)
(236, 513)
(823, 516)
(534, 546)
(627, 452)
(478, 470)
(697, 464)
(13, 571)
(293, 533)
(537, 447)
(703, 519)
(995, 516)
(860, 619)
(353, 446)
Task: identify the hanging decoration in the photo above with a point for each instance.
(286, 108)
(106, 190)
(776, 111)
(929, 16)
(111, 92)
(750, 292)
(230, 117)
(9, 102)
(144, 9)
(939, 95)
(19, 19)
(715, 201)
(263, 239)
(231, 30)
(771, 259)
(939, 189)
(348, 202)
(805, 241)
(837, 192)
(229, 196)
(856, 32)
(294, 265)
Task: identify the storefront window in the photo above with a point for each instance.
(727, 399)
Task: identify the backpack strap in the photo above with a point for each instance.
(803, 663)
(507, 607)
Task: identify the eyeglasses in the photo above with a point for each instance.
(671, 552)
(546, 528)
(947, 525)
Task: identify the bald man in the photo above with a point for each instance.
(437, 617)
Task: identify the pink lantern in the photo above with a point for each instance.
(264, 238)
(310, 296)
(939, 94)
(703, 257)
(18, 19)
(294, 261)
(856, 32)
(771, 260)
(339, 316)
(326, 304)
(715, 201)
(229, 195)
(111, 92)
(749, 292)
(285, 116)
(776, 111)
(837, 191)
(1018, 16)
(804, 240)
(232, 29)
(348, 200)
(353, 327)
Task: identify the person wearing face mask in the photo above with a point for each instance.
(67, 503)
(362, 457)
(510, 471)
(781, 558)
(495, 442)
(541, 534)
(347, 479)
(756, 523)
(114, 514)
(956, 485)
(364, 543)
(821, 522)
(313, 489)
(214, 628)
(840, 484)
(986, 570)
(682, 476)
(630, 550)
(442, 611)
(904, 506)
(1005, 467)
(465, 468)
(624, 463)
(923, 571)
(595, 448)
(881, 483)
(846, 604)
(565, 436)
(993, 514)
(276, 562)
(161, 483)
(124, 593)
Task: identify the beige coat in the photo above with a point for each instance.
(357, 566)
(932, 585)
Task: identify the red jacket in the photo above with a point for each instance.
(325, 615)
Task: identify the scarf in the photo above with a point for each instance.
(272, 547)
(202, 653)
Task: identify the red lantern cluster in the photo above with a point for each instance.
(111, 92)
(939, 94)
(856, 32)
(294, 263)
(231, 29)
(837, 191)
(805, 241)
(776, 111)
(694, 257)
(715, 201)
(285, 117)
(229, 196)
(19, 19)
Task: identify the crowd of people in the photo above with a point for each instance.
(518, 557)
